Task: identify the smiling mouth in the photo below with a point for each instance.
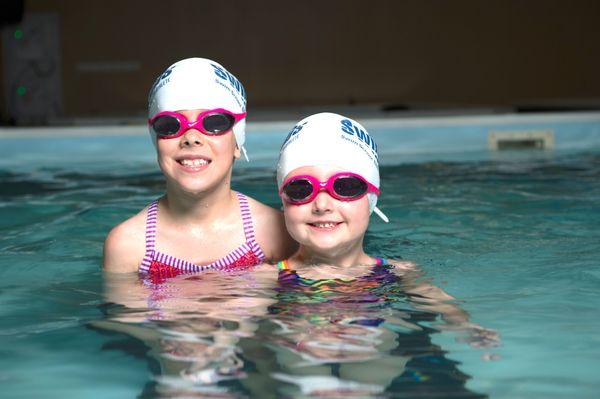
(193, 163)
(325, 225)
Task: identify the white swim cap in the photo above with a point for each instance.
(199, 83)
(329, 139)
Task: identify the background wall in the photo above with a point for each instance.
(417, 54)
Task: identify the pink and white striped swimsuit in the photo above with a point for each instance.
(159, 266)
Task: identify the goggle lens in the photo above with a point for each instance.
(349, 186)
(218, 123)
(298, 190)
(166, 125)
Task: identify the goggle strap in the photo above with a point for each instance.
(381, 215)
(244, 153)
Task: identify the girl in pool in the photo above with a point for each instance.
(197, 112)
(328, 179)
(338, 304)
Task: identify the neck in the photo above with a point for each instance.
(345, 257)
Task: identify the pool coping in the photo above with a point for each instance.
(265, 127)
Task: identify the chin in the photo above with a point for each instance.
(326, 248)
(190, 187)
(193, 186)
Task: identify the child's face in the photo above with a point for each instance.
(195, 161)
(326, 225)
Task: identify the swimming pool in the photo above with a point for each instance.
(513, 235)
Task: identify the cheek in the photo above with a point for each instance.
(161, 154)
(358, 213)
(291, 214)
(294, 216)
(224, 145)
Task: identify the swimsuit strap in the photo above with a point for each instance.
(249, 226)
(283, 265)
(380, 261)
(246, 217)
(150, 235)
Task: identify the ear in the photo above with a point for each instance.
(237, 154)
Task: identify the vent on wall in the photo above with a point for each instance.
(520, 139)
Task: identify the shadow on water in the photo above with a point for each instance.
(261, 181)
(45, 182)
(49, 181)
(505, 167)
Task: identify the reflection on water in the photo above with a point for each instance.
(250, 334)
(192, 326)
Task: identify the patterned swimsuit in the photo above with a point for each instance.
(158, 266)
(334, 300)
(287, 274)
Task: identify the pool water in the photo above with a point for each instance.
(513, 236)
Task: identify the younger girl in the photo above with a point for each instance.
(197, 112)
(339, 308)
(328, 179)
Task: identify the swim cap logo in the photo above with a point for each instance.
(292, 133)
(159, 82)
(349, 128)
(225, 75)
(165, 74)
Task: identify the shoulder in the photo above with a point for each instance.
(402, 267)
(124, 245)
(271, 234)
(402, 264)
(264, 213)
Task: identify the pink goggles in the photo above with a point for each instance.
(214, 122)
(343, 186)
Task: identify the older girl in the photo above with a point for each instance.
(197, 112)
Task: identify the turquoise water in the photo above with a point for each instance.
(513, 236)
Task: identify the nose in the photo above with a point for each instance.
(322, 203)
(192, 138)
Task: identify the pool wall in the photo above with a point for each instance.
(400, 140)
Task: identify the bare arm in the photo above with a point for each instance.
(428, 297)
